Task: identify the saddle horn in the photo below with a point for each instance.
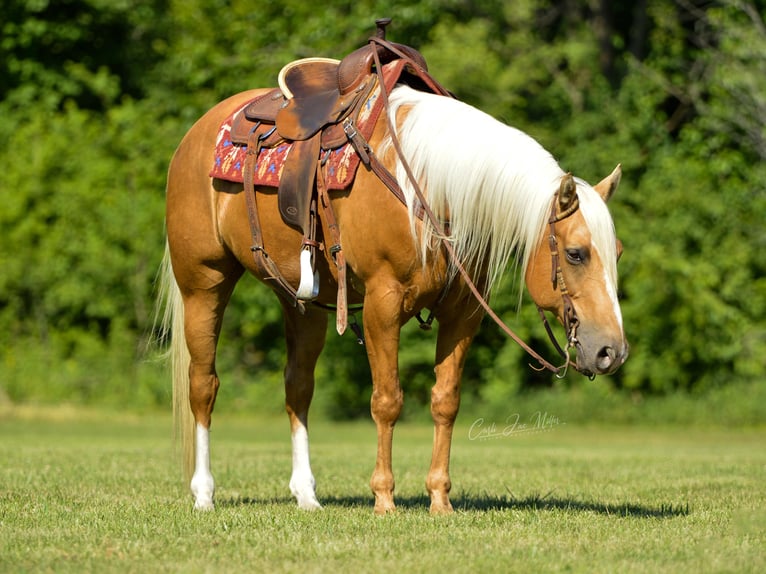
(380, 25)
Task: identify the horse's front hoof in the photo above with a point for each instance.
(441, 508)
(384, 506)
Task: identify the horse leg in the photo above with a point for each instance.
(203, 314)
(382, 324)
(305, 335)
(454, 338)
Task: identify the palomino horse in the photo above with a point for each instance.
(499, 190)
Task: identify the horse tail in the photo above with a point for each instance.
(170, 319)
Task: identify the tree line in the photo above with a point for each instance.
(96, 94)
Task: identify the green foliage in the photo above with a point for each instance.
(96, 94)
(82, 232)
(88, 51)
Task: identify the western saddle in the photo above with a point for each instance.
(315, 109)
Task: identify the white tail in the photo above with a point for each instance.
(171, 310)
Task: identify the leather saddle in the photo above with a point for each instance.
(315, 96)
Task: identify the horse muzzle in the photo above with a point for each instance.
(601, 359)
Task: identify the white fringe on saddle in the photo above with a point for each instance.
(309, 286)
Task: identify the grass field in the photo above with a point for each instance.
(84, 491)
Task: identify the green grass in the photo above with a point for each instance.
(88, 491)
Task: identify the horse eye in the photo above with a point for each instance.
(575, 256)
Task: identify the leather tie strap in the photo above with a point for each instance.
(341, 312)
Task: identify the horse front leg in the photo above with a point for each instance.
(454, 338)
(382, 324)
(305, 335)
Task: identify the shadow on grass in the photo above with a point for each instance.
(549, 502)
(486, 502)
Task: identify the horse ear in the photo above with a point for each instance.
(567, 192)
(606, 186)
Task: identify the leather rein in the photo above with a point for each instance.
(571, 321)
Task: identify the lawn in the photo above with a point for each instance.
(89, 491)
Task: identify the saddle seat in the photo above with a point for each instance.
(322, 92)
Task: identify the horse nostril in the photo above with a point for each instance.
(605, 358)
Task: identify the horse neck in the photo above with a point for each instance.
(495, 189)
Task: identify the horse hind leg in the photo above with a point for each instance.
(203, 315)
(305, 336)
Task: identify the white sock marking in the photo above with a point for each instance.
(202, 483)
(302, 483)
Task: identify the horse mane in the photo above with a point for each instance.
(493, 182)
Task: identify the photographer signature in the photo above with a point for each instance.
(538, 422)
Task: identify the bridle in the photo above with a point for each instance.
(571, 321)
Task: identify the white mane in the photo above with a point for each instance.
(493, 182)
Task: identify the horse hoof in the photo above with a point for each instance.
(309, 503)
(383, 509)
(204, 505)
(440, 509)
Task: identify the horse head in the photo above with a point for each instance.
(573, 273)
